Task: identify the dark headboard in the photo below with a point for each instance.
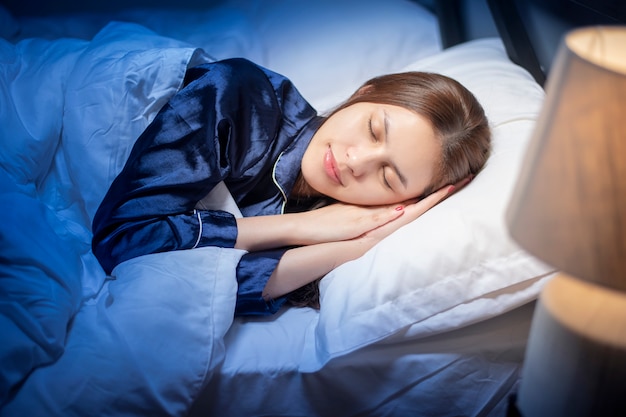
(533, 29)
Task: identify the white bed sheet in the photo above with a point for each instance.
(265, 371)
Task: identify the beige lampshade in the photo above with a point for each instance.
(569, 205)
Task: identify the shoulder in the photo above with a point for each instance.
(237, 72)
(251, 79)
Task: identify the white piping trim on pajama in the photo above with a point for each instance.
(197, 213)
(282, 192)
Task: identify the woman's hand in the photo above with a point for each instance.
(339, 221)
(411, 211)
(334, 223)
(304, 264)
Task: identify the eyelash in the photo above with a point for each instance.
(372, 134)
(369, 126)
(385, 180)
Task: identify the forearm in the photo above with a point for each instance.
(266, 232)
(269, 232)
(301, 265)
(337, 222)
(118, 241)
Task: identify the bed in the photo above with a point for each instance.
(431, 322)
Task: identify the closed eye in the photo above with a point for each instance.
(371, 130)
(384, 167)
(385, 179)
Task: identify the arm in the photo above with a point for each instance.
(336, 222)
(301, 265)
(150, 205)
(304, 264)
(325, 232)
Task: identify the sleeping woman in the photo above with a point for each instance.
(315, 192)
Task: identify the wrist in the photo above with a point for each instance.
(349, 250)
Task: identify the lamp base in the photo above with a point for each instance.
(575, 362)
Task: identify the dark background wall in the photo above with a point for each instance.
(46, 7)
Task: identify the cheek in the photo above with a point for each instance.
(308, 164)
(366, 197)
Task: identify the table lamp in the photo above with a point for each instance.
(569, 209)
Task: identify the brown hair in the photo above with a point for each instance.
(457, 118)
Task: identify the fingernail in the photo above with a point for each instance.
(451, 189)
(399, 208)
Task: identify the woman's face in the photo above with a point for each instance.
(372, 154)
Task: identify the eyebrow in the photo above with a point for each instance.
(393, 165)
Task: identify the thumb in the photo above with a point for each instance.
(438, 196)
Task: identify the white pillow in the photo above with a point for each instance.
(456, 264)
(328, 47)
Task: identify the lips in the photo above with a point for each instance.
(330, 167)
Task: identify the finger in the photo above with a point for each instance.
(453, 189)
(388, 214)
(441, 194)
(383, 216)
(461, 184)
(411, 201)
(428, 202)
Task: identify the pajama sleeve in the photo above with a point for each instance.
(253, 271)
(219, 126)
(229, 123)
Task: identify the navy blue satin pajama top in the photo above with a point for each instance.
(234, 122)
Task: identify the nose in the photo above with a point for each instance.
(362, 159)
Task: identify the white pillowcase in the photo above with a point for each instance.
(328, 47)
(456, 264)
